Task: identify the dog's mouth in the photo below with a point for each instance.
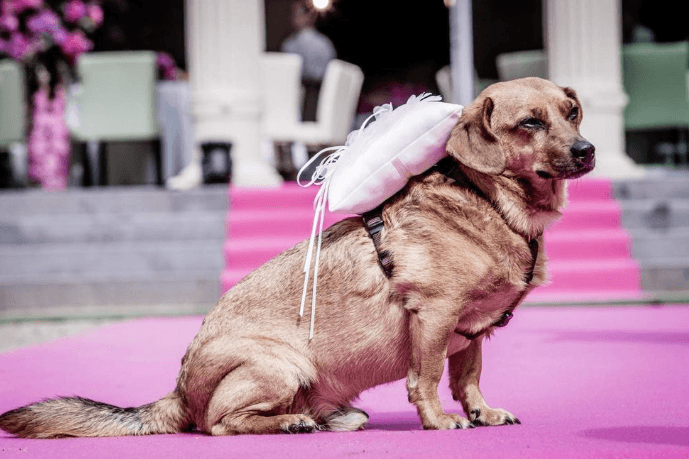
(568, 169)
(582, 168)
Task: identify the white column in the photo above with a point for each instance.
(584, 52)
(462, 52)
(225, 40)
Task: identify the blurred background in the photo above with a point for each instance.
(122, 123)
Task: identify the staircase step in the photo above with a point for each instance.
(252, 252)
(291, 195)
(656, 185)
(589, 189)
(655, 214)
(668, 274)
(193, 287)
(275, 223)
(621, 275)
(650, 245)
(588, 244)
(584, 215)
(231, 277)
(110, 258)
(288, 196)
(102, 227)
(586, 275)
(111, 200)
(263, 222)
(543, 296)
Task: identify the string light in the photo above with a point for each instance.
(321, 5)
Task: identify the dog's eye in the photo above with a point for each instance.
(532, 123)
(573, 114)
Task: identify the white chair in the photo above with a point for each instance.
(443, 79)
(282, 94)
(521, 64)
(13, 115)
(337, 101)
(116, 101)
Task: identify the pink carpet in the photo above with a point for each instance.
(588, 248)
(585, 382)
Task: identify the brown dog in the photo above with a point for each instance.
(464, 257)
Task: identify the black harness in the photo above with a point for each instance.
(373, 221)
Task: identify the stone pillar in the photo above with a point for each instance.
(584, 51)
(225, 40)
(461, 51)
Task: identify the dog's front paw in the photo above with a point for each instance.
(447, 421)
(298, 424)
(490, 417)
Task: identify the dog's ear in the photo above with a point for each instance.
(473, 142)
(572, 94)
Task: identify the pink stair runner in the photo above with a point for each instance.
(588, 249)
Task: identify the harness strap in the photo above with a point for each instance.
(373, 221)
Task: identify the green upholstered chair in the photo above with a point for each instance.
(116, 101)
(655, 79)
(13, 115)
(12, 103)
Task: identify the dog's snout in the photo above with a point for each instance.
(583, 149)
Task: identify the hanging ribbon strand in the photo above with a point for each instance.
(321, 177)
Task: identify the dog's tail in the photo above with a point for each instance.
(81, 417)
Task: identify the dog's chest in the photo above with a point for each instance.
(495, 296)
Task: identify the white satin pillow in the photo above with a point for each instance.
(379, 159)
(375, 163)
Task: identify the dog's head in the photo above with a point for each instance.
(526, 128)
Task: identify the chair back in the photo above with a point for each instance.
(282, 94)
(443, 79)
(117, 99)
(338, 100)
(522, 64)
(12, 103)
(655, 79)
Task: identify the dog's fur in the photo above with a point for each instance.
(459, 264)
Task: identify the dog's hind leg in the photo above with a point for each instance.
(257, 396)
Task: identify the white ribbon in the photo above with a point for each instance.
(321, 177)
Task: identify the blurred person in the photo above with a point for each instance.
(316, 51)
(633, 31)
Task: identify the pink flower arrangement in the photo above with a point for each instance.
(44, 28)
(74, 10)
(95, 13)
(75, 44)
(44, 21)
(30, 31)
(167, 66)
(20, 5)
(9, 22)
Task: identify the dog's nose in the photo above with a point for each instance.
(583, 149)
